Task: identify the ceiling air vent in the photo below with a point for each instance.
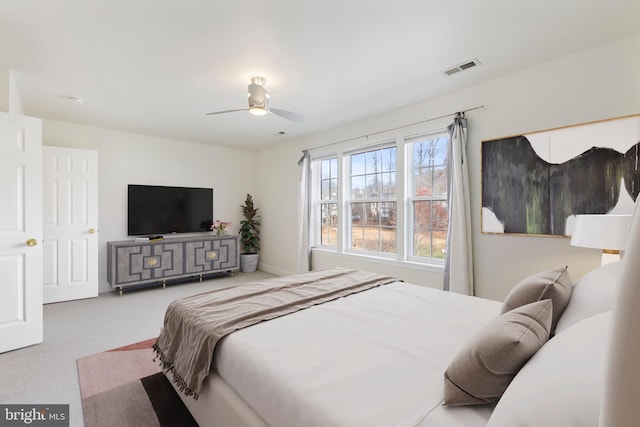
(461, 67)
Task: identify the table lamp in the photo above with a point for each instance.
(606, 232)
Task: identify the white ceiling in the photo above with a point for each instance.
(156, 67)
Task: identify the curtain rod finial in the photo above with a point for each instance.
(305, 153)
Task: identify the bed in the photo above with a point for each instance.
(399, 354)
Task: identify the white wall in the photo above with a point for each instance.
(126, 158)
(5, 89)
(15, 101)
(595, 84)
(10, 101)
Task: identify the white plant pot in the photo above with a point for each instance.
(249, 262)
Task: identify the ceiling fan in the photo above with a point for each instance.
(259, 103)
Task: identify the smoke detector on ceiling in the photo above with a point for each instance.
(461, 67)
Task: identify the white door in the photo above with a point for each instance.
(20, 231)
(70, 217)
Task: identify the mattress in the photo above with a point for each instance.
(376, 358)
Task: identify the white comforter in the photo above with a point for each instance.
(376, 358)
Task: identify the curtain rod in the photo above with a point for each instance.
(396, 128)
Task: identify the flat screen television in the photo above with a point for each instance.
(154, 209)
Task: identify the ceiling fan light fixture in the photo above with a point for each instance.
(258, 111)
(258, 80)
(258, 99)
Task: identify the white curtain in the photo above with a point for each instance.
(458, 271)
(304, 252)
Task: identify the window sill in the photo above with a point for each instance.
(412, 265)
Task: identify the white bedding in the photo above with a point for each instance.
(376, 358)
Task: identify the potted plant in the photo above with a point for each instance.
(249, 236)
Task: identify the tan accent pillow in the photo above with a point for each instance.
(551, 284)
(485, 366)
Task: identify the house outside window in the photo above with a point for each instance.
(385, 200)
(372, 201)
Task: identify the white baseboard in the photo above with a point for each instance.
(275, 270)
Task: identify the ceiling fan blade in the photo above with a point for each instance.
(289, 115)
(226, 111)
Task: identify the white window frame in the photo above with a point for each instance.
(317, 202)
(411, 197)
(349, 199)
(401, 138)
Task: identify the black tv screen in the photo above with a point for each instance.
(154, 209)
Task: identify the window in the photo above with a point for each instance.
(428, 195)
(329, 202)
(372, 201)
(389, 200)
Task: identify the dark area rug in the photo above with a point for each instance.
(124, 387)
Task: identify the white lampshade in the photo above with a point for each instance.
(606, 232)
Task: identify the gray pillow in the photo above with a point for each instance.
(485, 366)
(551, 284)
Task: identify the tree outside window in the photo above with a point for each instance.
(429, 195)
(362, 206)
(373, 204)
(329, 201)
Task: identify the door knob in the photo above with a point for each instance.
(32, 242)
(92, 230)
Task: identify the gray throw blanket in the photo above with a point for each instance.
(193, 325)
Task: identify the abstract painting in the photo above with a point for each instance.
(536, 183)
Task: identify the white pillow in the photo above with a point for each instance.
(592, 294)
(562, 383)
